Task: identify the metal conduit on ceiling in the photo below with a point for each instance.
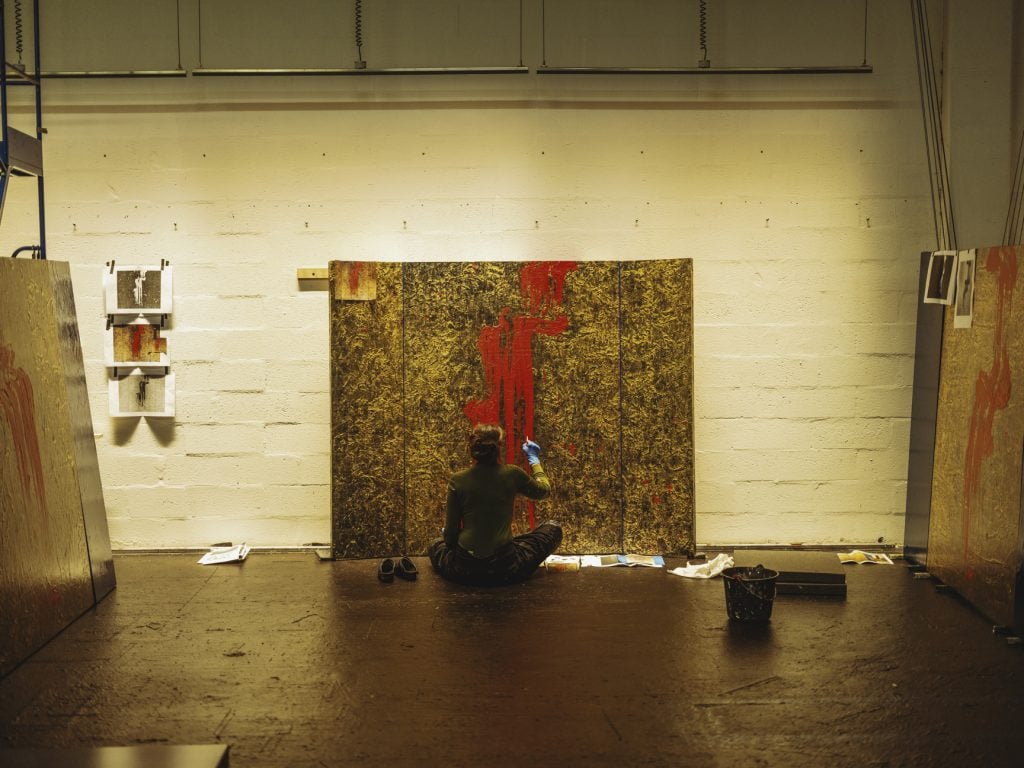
(360, 67)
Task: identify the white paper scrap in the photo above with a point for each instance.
(707, 570)
(235, 554)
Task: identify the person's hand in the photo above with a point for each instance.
(532, 451)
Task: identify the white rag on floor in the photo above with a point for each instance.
(707, 570)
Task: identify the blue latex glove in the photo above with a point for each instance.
(532, 451)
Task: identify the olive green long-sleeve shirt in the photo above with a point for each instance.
(481, 499)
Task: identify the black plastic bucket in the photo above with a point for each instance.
(749, 593)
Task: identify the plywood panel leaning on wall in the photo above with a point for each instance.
(657, 406)
(367, 425)
(51, 504)
(975, 540)
(536, 347)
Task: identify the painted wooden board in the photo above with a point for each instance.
(537, 348)
(94, 510)
(367, 424)
(45, 578)
(975, 539)
(657, 406)
(923, 412)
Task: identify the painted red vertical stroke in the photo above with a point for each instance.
(354, 271)
(137, 333)
(17, 406)
(506, 354)
(992, 387)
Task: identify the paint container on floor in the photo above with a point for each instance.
(749, 593)
(561, 563)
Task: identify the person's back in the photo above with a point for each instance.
(478, 546)
(485, 496)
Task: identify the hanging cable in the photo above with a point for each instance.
(1012, 231)
(931, 114)
(702, 23)
(177, 23)
(199, 31)
(865, 62)
(360, 63)
(543, 33)
(520, 33)
(19, 32)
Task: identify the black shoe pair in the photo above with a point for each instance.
(404, 567)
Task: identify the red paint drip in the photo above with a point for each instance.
(138, 331)
(17, 406)
(506, 354)
(572, 449)
(354, 271)
(991, 388)
(542, 283)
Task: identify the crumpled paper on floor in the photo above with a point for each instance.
(707, 570)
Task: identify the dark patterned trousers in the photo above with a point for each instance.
(513, 563)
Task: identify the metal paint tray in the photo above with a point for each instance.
(800, 572)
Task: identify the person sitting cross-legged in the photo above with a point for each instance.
(478, 547)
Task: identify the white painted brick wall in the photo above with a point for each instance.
(802, 201)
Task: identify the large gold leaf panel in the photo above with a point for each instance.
(591, 359)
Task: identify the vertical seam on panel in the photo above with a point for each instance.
(405, 423)
(622, 474)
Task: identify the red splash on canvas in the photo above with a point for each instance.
(991, 388)
(17, 407)
(506, 354)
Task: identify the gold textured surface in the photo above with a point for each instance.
(538, 345)
(45, 580)
(446, 304)
(974, 539)
(138, 344)
(657, 406)
(367, 427)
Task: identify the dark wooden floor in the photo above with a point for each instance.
(294, 662)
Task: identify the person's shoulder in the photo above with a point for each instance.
(514, 469)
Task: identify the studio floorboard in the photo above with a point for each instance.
(301, 663)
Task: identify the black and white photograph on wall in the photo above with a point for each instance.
(941, 278)
(137, 290)
(963, 316)
(141, 394)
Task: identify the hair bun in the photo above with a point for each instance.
(485, 442)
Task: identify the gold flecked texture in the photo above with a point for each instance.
(446, 305)
(541, 348)
(577, 413)
(976, 527)
(367, 427)
(45, 579)
(657, 406)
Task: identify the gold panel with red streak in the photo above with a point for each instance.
(976, 531)
(539, 348)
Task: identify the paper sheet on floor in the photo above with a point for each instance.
(860, 556)
(707, 570)
(235, 554)
(607, 561)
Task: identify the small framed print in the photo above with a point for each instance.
(137, 290)
(135, 343)
(941, 279)
(141, 394)
(963, 308)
